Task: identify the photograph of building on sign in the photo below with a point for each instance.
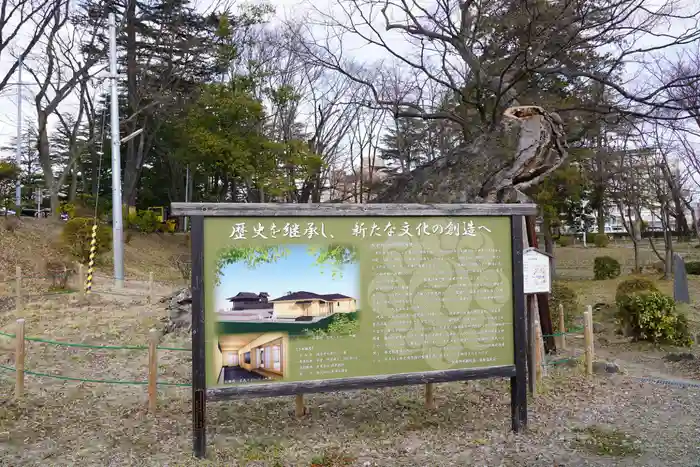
(298, 289)
(251, 357)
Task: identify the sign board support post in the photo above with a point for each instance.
(199, 399)
(531, 343)
(518, 384)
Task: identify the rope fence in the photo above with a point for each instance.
(21, 298)
(538, 363)
(99, 381)
(93, 346)
(152, 381)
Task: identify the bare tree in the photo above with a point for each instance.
(629, 188)
(22, 26)
(362, 158)
(61, 73)
(500, 63)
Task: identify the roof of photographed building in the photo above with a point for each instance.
(247, 296)
(302, 295)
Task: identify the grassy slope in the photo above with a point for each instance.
(39, 240)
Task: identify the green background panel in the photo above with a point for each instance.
(426, 302)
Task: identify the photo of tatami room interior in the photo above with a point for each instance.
(251, 357)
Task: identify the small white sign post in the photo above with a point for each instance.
(537, 278)
(537, 271)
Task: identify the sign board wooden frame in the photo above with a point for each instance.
(201, 395)
(537, 271)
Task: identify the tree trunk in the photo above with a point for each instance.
(73, 184)
(513, 157)
(44, 150)
(548, 240)
(600, 216)
(130, 168)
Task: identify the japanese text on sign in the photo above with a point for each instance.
(310, 230)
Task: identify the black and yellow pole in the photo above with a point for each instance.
(91, 263)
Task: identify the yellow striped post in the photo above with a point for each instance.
(91, 263)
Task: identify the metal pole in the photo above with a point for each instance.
(18, 148)
(187, 191)
(117, 230)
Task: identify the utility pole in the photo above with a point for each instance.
(187, 192)
(117, 229)
(18, 148)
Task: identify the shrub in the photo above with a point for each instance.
(183, 263)
(631, 286)
(601, 240)
(562, 293)
(143, 221)
(565, 240)
(59, 272)
(605, 267)
(652, 316)
(692, 267)
(11, 223)
(77, 234)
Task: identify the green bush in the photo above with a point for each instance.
(631, 286)
(143, 221)
(605, 267)
(566, 240)
(562, 293)
(341, 324)
(77, 235)
(652, 316)
(692, 267)
(601, 240)
(566, 296)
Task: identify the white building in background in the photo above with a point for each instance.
(614, 223)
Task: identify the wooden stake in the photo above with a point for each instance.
(429, 396)
(538, 354)
(299, 408)
(150, 288)
(588, 336)
(532, 344)
(19, 359)
(153, 339)
(18, 289)
(562, 328)
(81, 279)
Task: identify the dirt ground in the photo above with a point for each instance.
(606, 420)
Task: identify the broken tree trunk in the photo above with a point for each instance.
(529, 144)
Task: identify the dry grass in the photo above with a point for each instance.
(36, 241)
